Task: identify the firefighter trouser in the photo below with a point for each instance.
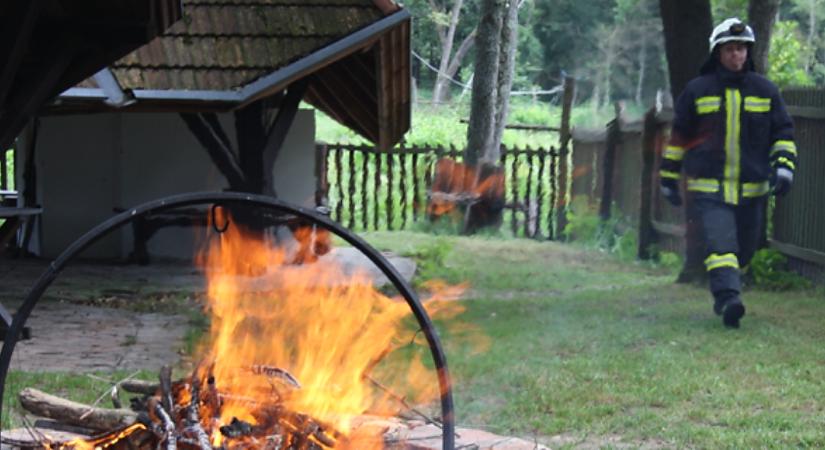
(731, 234)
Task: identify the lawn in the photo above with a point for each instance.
(599, 352)
(577, 348)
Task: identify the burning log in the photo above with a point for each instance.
(74, 413)
(193, 419)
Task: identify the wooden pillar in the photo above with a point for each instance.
(564, 156)
(614, 130)
(647, 235)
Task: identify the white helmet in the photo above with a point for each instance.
(731, 29)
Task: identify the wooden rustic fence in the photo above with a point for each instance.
(617, 173)
(799, 218)
(370, 190)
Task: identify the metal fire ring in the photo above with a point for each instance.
(259, 201)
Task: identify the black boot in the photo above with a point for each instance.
(732, 311)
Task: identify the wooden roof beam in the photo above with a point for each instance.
(16, 28)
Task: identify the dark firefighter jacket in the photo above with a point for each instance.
(730, 132)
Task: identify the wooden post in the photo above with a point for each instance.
(564, 154)
(389, 189)
(614, 130)
(554, 162)
(351, 187)
(647, 235)
(514, 190)
(416, 184)
(539, 192)
(528, 230)
(377, 190)
(365, 156)
(339, 175)
(402, 181)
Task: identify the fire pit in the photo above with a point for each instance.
(235, 398)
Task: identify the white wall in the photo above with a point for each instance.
(90, 164)
(77, 180)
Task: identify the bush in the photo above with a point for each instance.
(430, 258)
(585, 226)
(768, 269)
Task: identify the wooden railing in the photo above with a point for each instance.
(367, 189)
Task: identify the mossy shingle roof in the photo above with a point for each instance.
(226, 44)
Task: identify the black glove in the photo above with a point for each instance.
(670, 189)
(782, 180)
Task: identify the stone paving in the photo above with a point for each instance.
(67, 336)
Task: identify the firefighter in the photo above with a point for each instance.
(733, 140)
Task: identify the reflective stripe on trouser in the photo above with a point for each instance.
(731, 234)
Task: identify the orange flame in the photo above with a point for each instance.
(325, 328)
(456, 182)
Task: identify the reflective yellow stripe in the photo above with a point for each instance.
(757, 104)
(751, 190)
(674, 153)
(708, 185)
(785, 162)
(783, 146)
(707, 105)
(730, 186)
(716, 261)
(669, 174)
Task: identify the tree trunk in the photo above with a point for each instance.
(762, 17)
(809, 40)
(493, 79)
(687, 25)
(447, 36)
(506, 69)
(480, 131)
(642, 65)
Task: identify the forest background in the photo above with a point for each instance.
(613, 48)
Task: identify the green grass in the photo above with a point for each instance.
(584, 345)
(602, 351)
(84, 388)
(433, 125)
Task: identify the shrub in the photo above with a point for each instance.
(769, 271)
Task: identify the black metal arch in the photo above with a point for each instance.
(259, 201)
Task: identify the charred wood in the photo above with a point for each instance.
(169, 436)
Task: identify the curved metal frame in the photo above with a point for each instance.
(260, 201)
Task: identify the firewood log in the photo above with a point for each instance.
(74, 413)
(139, 386)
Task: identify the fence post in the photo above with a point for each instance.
(614, 130)
(647, 235)
(564, 153)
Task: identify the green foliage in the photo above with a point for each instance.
(723, 9)
(430, 258)
(583, 223)
(9, 155)
(786, 60)
(585, 226)
(769, 270)
(669, 260)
